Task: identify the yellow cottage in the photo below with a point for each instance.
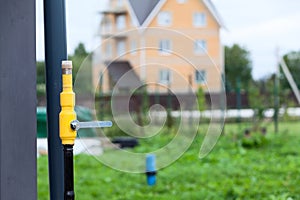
(163, 44)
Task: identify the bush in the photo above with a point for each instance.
(254, 140)
(40, 90)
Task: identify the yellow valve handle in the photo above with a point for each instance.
(76, 125)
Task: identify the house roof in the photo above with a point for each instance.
(142, 9)
(119, 68)
(146, 10)
(211, 7)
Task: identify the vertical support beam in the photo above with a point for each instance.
(17, 100)
(276, 99)
(55, 52)
(101, 114)
(223, 102)
(238, 98)
(143, 70)
(276, 91)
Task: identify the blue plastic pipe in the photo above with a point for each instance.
(151, 169)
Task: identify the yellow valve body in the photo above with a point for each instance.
(67, 114)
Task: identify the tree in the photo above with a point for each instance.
(237, 64)
(80, 51)
(77, 58)
(40, 72)
(40, 78)
(261, 97)
(81, 58)
(80, 54)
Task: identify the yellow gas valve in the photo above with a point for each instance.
(68, 123)
(67, 103)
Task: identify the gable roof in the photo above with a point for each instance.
(143, 8)
(146, 10)
(212, 9)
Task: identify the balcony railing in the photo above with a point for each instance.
(114, 10)
(115, 35)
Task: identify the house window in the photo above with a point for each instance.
(199, 19)
(106, 26)
(108, 51)
(200, 76)
(133, 48)
(165, 76)
(121, 47)
(181, 1)
(121, 22)
(200, 46)
(164, 18)
(164, 46)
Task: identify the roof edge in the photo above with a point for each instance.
(211, 7)
(208, 3)
(132, 14)
(153, 13)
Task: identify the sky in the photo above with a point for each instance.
(260, 26)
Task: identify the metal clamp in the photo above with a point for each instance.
(76, 125)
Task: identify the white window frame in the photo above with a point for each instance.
(200, 47)
(164, 18)
(199, 19)
(121, 22)
(121, 47)
(165, 46)
(165, 76)
(200, 76)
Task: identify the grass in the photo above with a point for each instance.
(230, 171)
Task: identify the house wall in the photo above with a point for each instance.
(182, 61)
(182, 21)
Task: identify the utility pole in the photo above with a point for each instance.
(276, 91)
(238, 98)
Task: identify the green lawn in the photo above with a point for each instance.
(230, 171)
